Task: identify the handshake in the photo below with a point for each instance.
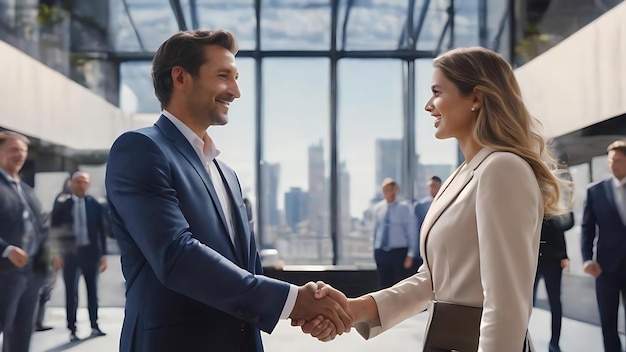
(324, 312)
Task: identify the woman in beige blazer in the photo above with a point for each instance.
(481, 234)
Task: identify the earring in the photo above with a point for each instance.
(473, 109)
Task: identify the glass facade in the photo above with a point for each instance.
(333, 92)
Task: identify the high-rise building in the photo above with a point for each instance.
(271, 177)
(296, 207)
(388, 161)
(317, 189)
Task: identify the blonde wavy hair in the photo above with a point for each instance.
(503, 123)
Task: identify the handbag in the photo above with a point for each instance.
(452, 327)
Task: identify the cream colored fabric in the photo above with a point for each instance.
(481, 242)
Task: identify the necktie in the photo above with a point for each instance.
(29, 241)
(384, 241)
(80, 223)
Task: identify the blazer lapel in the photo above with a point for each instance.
(183, 146)
(609, 189)
(449, 192)
(242, 235)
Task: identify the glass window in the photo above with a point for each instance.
(369, 148)
(371, 25)
(153, 20)
(296, 160)
(237, 16)
(295, 25)
(434, 25)
(466, 24)
(434, 157)
(600, 168)
(136, 89)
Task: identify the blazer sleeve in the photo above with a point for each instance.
(142, 196)
(588, 227)
(398, 303)
(509, 211)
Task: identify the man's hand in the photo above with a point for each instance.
(592, 268)
(18, 257)
(408, 262)
(333, 308)
(103, 264)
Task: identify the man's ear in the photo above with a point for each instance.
(179, 75)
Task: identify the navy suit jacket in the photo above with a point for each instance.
(188, 287)
(12, 224)
(63, 216)
(600, 210)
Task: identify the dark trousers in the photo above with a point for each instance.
(552, 273)
(76, 263)
(609, 286)
(19, 290)
(390, 266)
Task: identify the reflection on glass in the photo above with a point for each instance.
(237, 16)
(295, 25)
(434, 157)
(136, 89)
(371, 25)
(295, 168)
(369, 148)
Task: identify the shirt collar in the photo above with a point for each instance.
(9, 178)
(617, 183)
(204, 146)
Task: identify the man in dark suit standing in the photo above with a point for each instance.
(605, 208)
(421, 208)
(79, 216)
(193, 275)
(23, 257)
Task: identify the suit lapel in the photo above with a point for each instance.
(449, 192)
(242, 237)
(609, 189)
(183, 146)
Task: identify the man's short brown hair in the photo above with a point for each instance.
(6, 135)
(619, 146)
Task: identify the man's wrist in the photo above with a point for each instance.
(290, 302)
(8, 250)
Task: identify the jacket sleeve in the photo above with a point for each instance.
(588, 228)
(398, 303)
(509, 212)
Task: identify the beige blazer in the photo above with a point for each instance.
(480, 238)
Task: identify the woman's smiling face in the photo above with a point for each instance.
(454, 117)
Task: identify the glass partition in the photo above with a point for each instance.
(295, 165)
(369, 147)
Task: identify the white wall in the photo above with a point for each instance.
(582, 80)
(40, 102)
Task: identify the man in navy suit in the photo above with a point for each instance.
(79, 218)
(193, 275)
(421, 208)
(605, 208)
(23, 253)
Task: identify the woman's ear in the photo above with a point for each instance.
(477, 99)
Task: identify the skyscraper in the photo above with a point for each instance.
(317, 189)
(296, 207)
(388, 161)
(271, 177)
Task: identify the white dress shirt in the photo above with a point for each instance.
(207, 152)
